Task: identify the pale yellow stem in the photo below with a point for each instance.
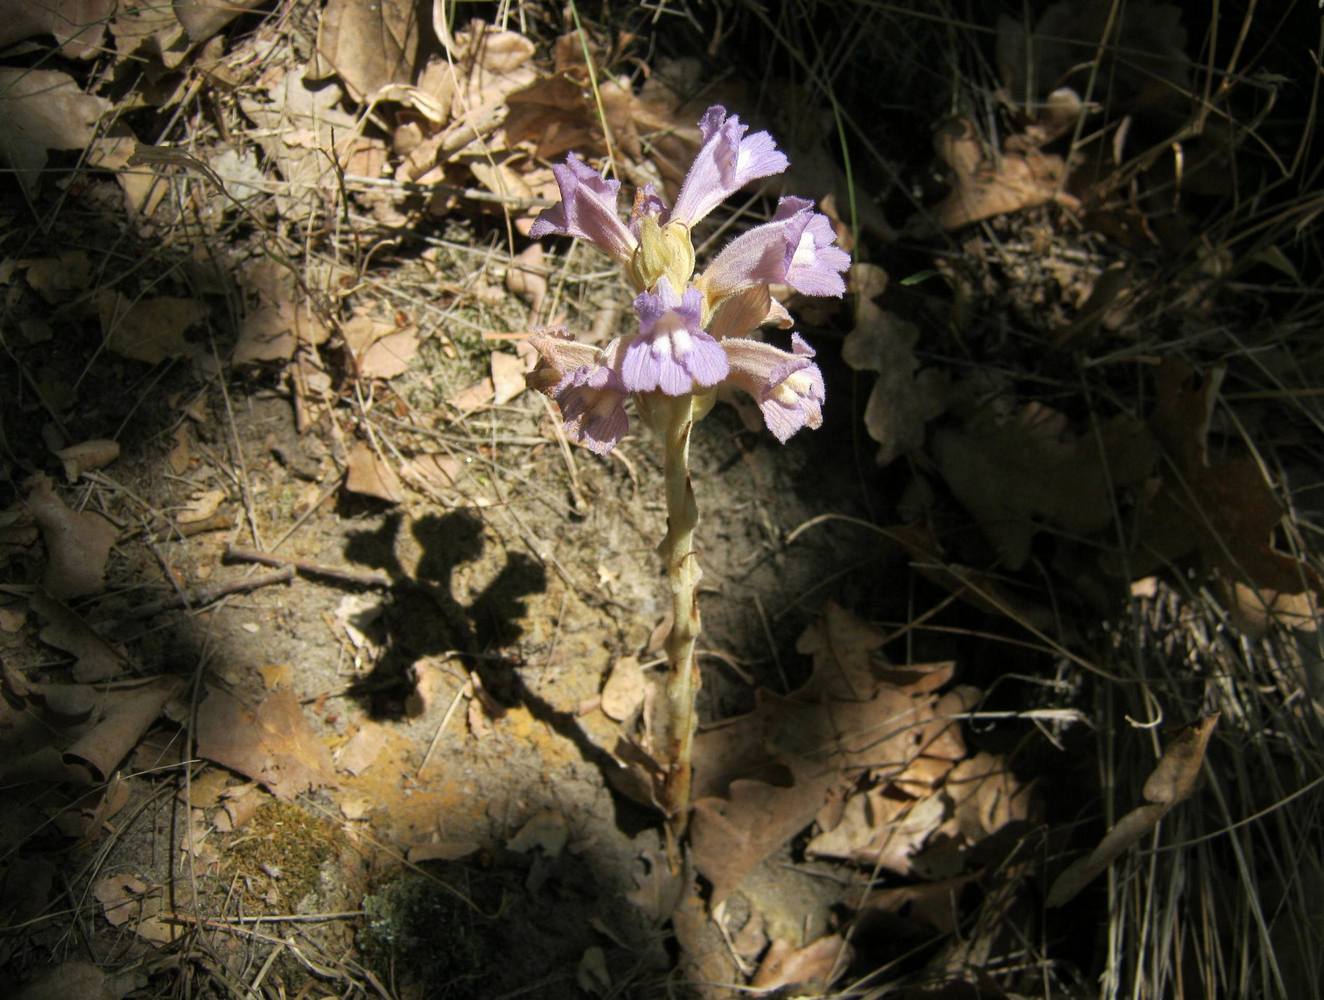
(677, 551)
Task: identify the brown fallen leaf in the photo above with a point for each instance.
(1223, 510)
(87, 455)
(1017, 473)
(149, 330)
(96, 659)
(42, 109)
(273, 328)
(77, 543)
(120, 897)
(271, 743)
(381, 350)
(369, 45)
(812, 969)
(201, 506)
(527, 276)
(56, 279)
(903, 400)
(204, 18)
(125, 714)
(882, 829)
(370, 476)
(624, 691)
(546, 830)
(730, 837)
(985, 185)
(67, 981)
(1172, 781)
(843, 647)
(473, 396)
(78, 25)
(364, 747)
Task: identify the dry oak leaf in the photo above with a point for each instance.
(271, 743)
(43, 109)
(1225, 510)
(624, 690)
(473, 396)
(984, 186)
(78, 25)
(843, 648)
(149, 330)
(369, 45)
(527, 276)
(1172, 781)
(77, 543)
(881, 828)
(730, 837)
(364, 747)
(370, 476)
(903, 400)
(1017, 473)
(508, 372)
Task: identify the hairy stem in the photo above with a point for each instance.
(677, 550)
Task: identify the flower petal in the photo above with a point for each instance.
(796, 248)
(592, 405)
(587, 209)
(787, 386)
(727, 161)
(672, 353)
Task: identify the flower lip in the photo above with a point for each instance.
(672, 354)
(787, 385)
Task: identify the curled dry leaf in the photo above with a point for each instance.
(1172, 781)
(370, 476)
(124, 716)
(77, 543)
(43, 109)
(96, 659)
(984, 185)
(88, 455)
(473, 396)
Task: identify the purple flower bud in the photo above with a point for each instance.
(672, 353)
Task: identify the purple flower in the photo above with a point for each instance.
(787, 386)
(587, 209)
(592, 402)
(797, 248)
(727, 162)
(672, 353)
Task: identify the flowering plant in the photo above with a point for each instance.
(692, 337)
